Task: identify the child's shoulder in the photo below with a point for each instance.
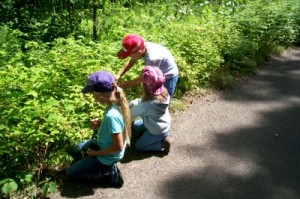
(113, 111)
(153, 45)
(156, 50)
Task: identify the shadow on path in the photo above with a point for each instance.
(258, 161)
(132, 154)
(79, 189)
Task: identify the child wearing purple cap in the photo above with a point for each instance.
(153, 54)
(114, 132)
(155, 123)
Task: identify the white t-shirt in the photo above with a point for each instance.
(160, 56)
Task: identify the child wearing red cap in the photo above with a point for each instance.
(135, 47)
(113, 132)
(155, 123)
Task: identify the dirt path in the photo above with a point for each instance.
(241, 143)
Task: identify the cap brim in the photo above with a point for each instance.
(122, 54)
(86, 89)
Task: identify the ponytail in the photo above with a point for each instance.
(120, 95)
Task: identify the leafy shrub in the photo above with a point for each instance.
(10, 45)
(43, 113)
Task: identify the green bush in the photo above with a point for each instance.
(43, 113)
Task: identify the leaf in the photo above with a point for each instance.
(33, 93)
(45, 188)
(3, 181)
(13, 185)
(9, 186)
(6, 189)
(2, 127)
(52, 187)
(53, 117)
(51, 102)
(2, 53)
(28, 177)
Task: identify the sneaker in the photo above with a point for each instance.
(113, 173)
(120, 181)
(116, 177)
(166, 146)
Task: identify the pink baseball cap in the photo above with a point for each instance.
(131, 43)
(153, 80)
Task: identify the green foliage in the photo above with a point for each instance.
(10, 46)
(42, 112)
(42, 189)
(47, 187)
(9, 185)
(260, 31)
(42, 20)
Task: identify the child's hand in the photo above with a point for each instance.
(91, 152)
(117, 77)
(95, 123)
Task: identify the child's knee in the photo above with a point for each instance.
(70, 172)
(139, 147)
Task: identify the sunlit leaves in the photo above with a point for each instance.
(42, 110)
(9, 185)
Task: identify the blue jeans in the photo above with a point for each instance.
(90, 167)
(170, 84)
(81, 148)
(148, 141)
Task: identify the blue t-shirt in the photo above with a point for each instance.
(112, 123)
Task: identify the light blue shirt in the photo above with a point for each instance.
(112, 123)
(155, 114)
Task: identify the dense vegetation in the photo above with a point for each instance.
(49, 47)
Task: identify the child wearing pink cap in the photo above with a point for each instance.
(155, 123)
(135, 47)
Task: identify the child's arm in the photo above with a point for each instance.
(134, 102)
(117, 145)
(130, 83)
(125, 68)
(139, 110)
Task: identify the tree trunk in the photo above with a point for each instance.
(70, 9)
(95, 22)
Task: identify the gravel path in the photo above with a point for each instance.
(240, 143)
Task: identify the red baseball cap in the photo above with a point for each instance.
(131, 43)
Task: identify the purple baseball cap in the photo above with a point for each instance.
(100, 81)
(153, 80)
